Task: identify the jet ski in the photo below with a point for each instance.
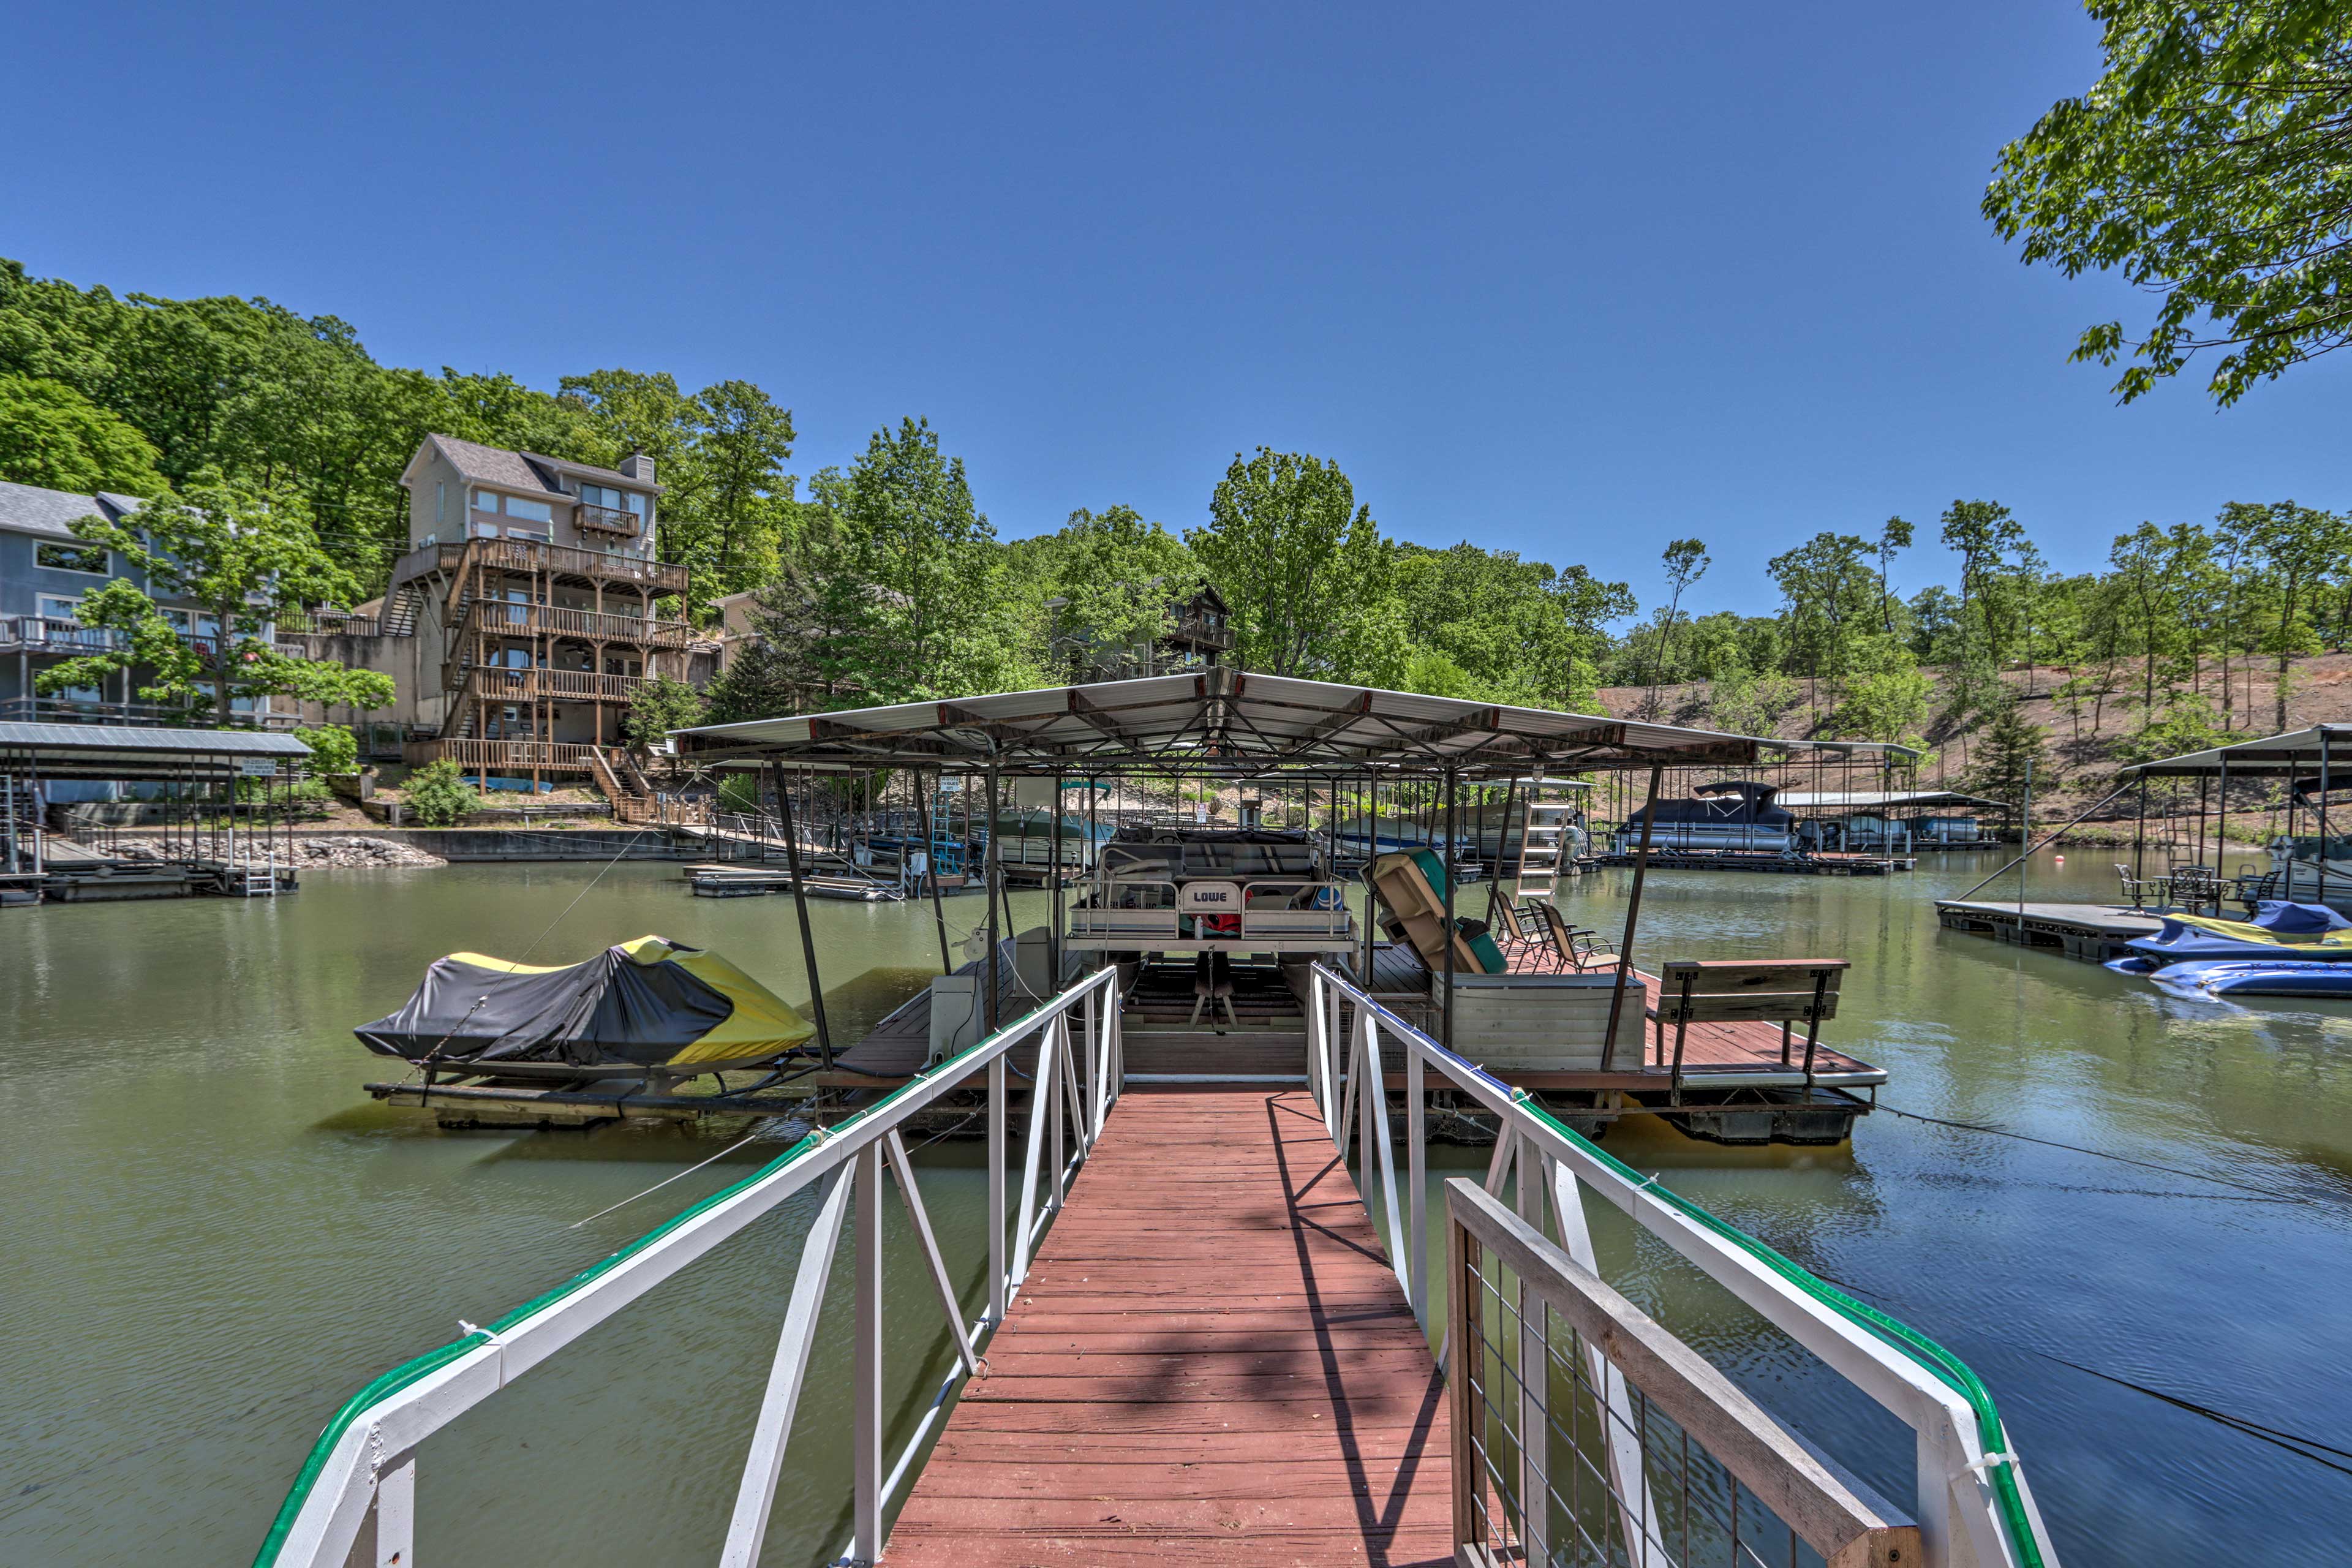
(2280, 929)
(2254, 977)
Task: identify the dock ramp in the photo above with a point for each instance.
(1202, 1340)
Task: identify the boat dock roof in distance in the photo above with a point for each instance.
(112, 752)
(1222, 721)
(1878, 799)
(2322, 746)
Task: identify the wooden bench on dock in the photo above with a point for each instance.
(1783, 991)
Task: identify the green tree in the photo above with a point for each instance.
(333, 748)
(742, 438)
(2207, 164)
(912, 599)
(1893, 538)
(236, 555)
(1686, 562)
(658, 707)
(52, 436)
(1827, 592)
(2295, 548)
(2010, 757)
(1303, 566)
(1109, 579)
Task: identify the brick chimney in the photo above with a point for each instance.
(637, 466)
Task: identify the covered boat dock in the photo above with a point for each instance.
(194, 836)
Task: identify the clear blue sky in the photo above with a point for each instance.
(1571, 280)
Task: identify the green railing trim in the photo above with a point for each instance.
(1948, 1368)
(415, 1369)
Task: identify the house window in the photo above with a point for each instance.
(440, 501)
(536, 511)
(89, 558)
(486, 501)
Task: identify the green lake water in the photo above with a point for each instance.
(214, 1236)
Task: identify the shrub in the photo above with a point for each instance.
(333, 749)
(739, 792)
(438, 794)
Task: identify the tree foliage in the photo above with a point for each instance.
(52, 436)
(2208, 164)
(1304, 567)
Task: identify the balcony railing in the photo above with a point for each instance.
(500, 685)
(324, 622)
(53, 633)
(1208, 631)
(502, 618)
(529, 556)
(608, 519)
(469, 752)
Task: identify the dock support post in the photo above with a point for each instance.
(1416, 1175)
(991, 877)
(800, 909)
(765, 1463)
(2321, 896)
(1633, 915)
(394, 1513)
(1445, 1022)
(865, 1378)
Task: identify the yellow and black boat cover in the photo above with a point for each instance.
(651, 1003)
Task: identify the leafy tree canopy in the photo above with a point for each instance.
(2207, 165)
(52, 436)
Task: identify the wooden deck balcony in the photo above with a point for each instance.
(499, 685)
(529, 555)
(500, 617)
(468, 752)
(608, 519)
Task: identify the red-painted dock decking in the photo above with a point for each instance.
(1210, 1363)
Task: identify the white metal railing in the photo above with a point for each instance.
(1973, 1508)
(361, 1476)
(1325, 913)
(1151, 914)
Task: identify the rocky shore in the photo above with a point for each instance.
(335, 849)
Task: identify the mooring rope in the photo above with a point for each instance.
(2101, 1154)
(666, 1181)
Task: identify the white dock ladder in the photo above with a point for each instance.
(1543, 837)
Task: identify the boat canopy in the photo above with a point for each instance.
(2299, 752)
(1879, 799)
(650, 1003)
(1218, 721)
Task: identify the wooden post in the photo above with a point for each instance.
(1633, 915)
(800, 908)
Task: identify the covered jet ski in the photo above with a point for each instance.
(2280, 929)
(647, 1006)
(2256, 977)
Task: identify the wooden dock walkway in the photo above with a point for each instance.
(1210, 1363)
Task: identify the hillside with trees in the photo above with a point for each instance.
(882, 578)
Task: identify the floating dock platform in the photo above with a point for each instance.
(2092, 932)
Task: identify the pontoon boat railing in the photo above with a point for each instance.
(1973, 1508)
(361, 1476)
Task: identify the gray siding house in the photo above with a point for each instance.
(44, 571)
